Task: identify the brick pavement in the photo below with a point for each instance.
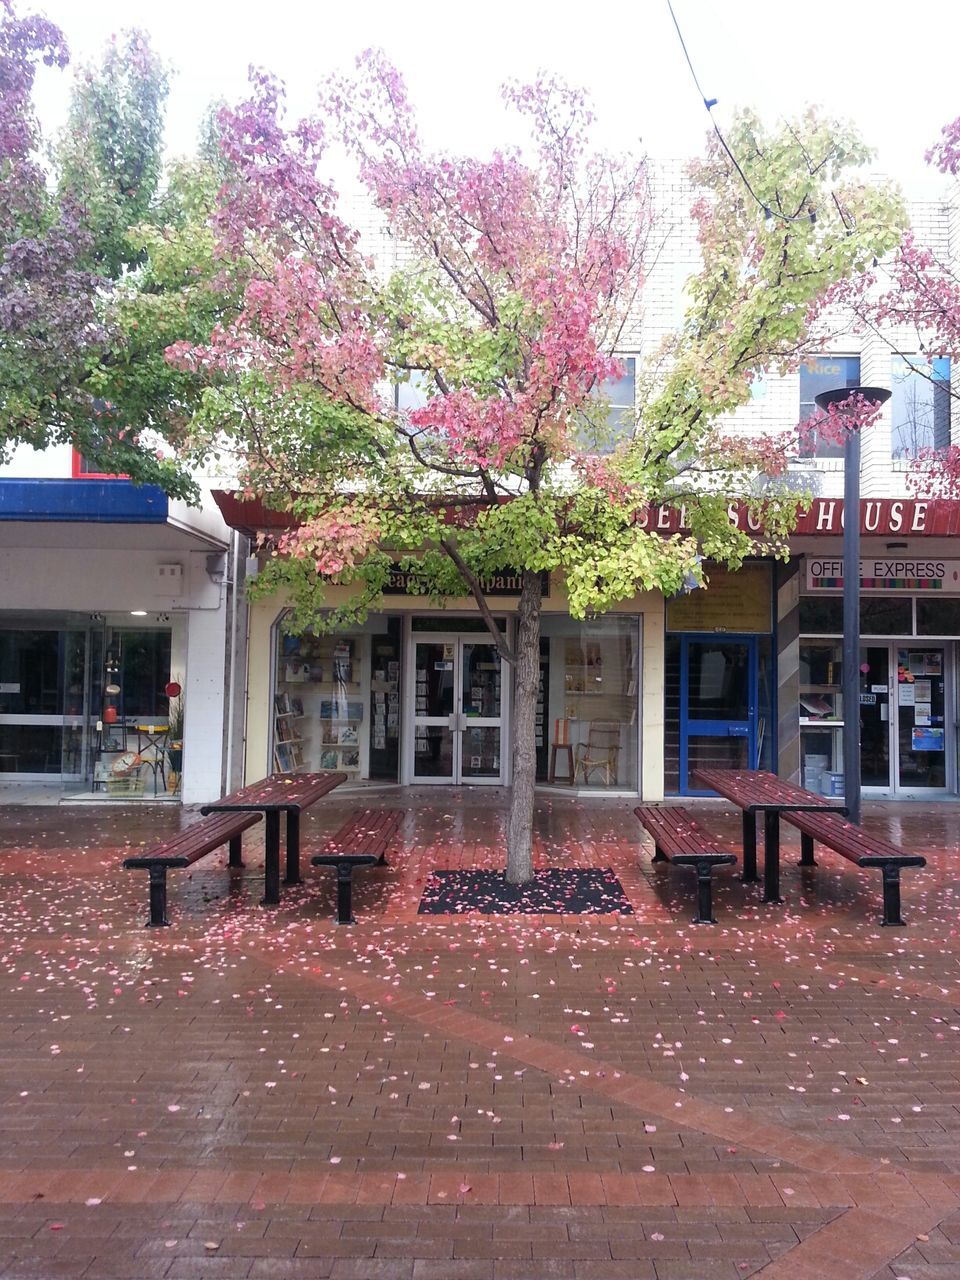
(258, 1093)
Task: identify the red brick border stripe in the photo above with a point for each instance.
(854, 1246)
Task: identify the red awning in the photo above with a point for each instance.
(881, 517)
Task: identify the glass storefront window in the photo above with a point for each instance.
(821, 615)
(590, 699)
(938, 617)
(886, 615)
(337, 701)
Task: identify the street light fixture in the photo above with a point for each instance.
(850, 679)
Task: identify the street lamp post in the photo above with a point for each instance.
(850, 679)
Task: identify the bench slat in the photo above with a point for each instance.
(676, 832)
(370, 831)
(850, 841)
(195, 841)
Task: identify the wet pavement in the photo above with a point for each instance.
(259, 1093)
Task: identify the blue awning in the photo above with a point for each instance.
(97, 501)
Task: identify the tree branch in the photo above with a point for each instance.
(473, 582)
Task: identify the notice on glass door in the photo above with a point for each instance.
(905, 695)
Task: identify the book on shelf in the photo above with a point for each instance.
(816, 705)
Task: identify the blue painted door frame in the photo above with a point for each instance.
(700, 727)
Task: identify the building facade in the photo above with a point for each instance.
(113, 597)
(745, 674)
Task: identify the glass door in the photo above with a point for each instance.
(921, 727)
(876, 697)
(435, 748)
(481, 719)
(82, 662)
(718, 705)
(31, 703)
(457, 710)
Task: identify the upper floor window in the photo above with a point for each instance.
(620, 395)
(84, 469)
(823, 373)
(412, 393)
(920, 405)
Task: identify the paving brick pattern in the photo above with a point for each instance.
(259, 1093)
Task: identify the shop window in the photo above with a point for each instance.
(144, 671)
(337, 701)
(823, 373)
(938, 617)
(821, 615)
(591, 699)
(886, 616)
(919, 406)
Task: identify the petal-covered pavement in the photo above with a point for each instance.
(259, 1093)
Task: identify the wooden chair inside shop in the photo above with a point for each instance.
(600, 752)
(561, 744)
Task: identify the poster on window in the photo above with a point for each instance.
(926, 738)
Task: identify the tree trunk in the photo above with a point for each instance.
(526, 688)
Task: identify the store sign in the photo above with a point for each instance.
(505, 582)
(736, 602)
(914, 517)
(886, 573)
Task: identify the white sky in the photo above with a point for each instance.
(890, 69)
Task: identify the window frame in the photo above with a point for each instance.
(835, 450)
(939, 371)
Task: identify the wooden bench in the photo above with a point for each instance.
(678, 838)
(858, 847)
(362, 841)
(186, 848)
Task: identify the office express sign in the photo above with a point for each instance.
(887, 573)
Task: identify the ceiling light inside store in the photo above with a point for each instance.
(138, 613)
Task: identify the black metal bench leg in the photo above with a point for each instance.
(659, 855)
(345, 893)
(158, 897)
(749, 848)
(891, 895)
(271, 868)
(236, 851)
(806, 851)
(293, 848)
(771, 856)
(704, 894)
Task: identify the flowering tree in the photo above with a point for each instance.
(511, 282)
(83, 261)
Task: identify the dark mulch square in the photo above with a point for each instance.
(575, 891)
